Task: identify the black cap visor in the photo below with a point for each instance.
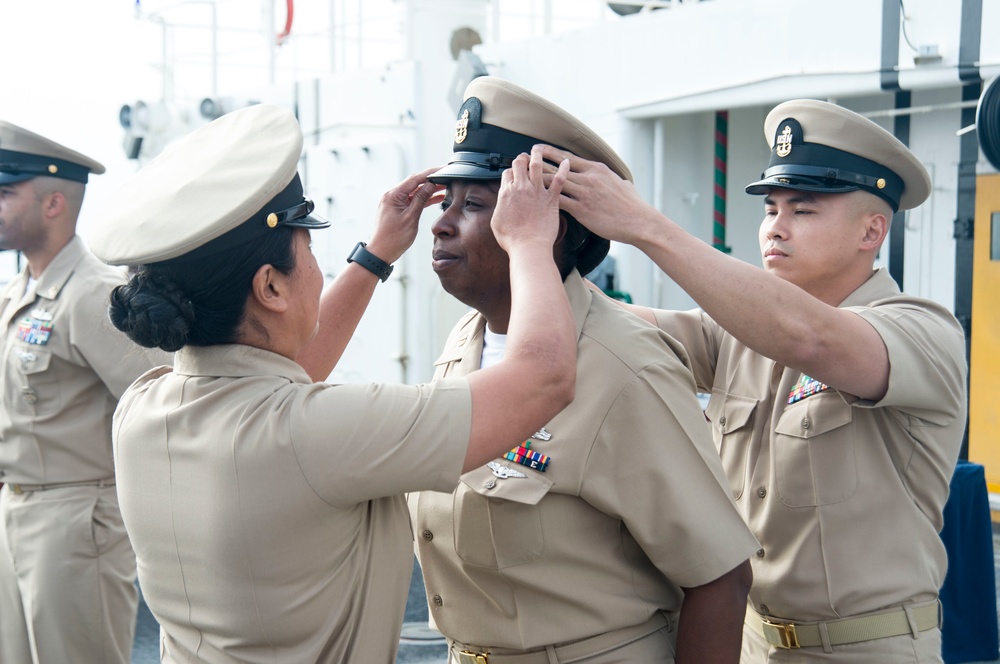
(13, 178)
(473, 166)
(820, 168)
(801, 183)
(20, 166)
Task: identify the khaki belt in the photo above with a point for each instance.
(895, 622)
(26, 488)
(565, 654)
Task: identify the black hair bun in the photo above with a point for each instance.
(152, 312)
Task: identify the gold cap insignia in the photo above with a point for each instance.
(462, 127)
(880, 183)
(272, 220)
(783, 144)
(53, 169)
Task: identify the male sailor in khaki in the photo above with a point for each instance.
(837, 402)
(67, 572)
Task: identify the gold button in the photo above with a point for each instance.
(272, 220)
(438, 601)
(53, 169)
(427, 535)
(761, 492)
(880, 183)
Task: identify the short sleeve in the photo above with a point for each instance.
(699, 335)
(393, 438)
(927, 365)
(655, 466)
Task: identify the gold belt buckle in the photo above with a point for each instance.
(780, 635)
(470, 657)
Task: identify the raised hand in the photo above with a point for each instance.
(527, 208)
(399, 214)
(598, 197)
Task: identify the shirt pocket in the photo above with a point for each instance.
(497, 520)
(814, 458)
(34, 389)
(731, 417)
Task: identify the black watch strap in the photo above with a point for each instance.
(370, 261)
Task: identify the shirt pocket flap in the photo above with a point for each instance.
(728, 412)
(814, 416)
(32, 361)
(527, 490)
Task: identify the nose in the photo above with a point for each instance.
(444, 225)
(774, 226)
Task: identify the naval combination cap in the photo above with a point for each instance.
(25, 155)
(822, 147)
(500, 120)
(226, 184)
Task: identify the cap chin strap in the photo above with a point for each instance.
(491, 160)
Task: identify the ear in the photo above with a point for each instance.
(53, 204)
(876, 229)
(270, 289)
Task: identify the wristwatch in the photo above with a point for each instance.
(370, 261)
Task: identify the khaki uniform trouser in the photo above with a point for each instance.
(922, 648)
(67, 577)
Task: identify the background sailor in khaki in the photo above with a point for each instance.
(266, 509)
(838, 403)
(67, 572)
(617, 519)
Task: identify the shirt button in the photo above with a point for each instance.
(29, 395)
(761, 492)
(805, 422)
(490, 483)
(427, 535)
(722, 421)
(764, 609)
(760, 553)
(438, 601)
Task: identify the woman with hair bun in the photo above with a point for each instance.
(266, 509)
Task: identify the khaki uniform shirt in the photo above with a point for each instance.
(62, 368)
(632, 506)
(267, 512)
(844, 495)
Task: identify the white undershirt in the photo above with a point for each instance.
(493, 348)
